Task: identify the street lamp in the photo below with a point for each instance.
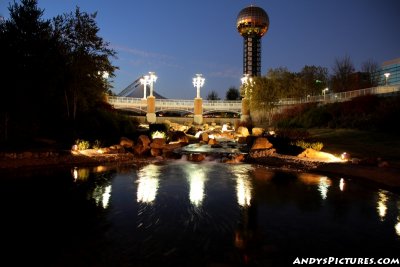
(145, 81)
(387, 74)
(198, 82)
(324, 92)
(153, 79)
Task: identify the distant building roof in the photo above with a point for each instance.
(136, 90)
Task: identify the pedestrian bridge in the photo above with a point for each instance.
(140, 104)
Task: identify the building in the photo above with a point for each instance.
(252, 23)
(392, 67)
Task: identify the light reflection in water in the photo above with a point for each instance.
(197, 178)
(244, 187)
(80, 174)
(397, 226)
(322, 182)
(148, 183)
(341, 184)
(101, 195)
(382, 204)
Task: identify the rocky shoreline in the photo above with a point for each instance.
(228, 147)
(387, 177)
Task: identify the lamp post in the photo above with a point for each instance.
(387, 74)
(153, 79)
(151, 100)
(198, 82)
(324, 92)
(145, 81)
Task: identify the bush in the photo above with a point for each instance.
(82, 144)
(303, 144)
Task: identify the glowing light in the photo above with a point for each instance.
(382, 204)
(148, 183)
(224, 127)
(100, 151)
(397, 226)
(198, 82)
(323, 186)
(344, 156)
(197, 180)
(341, 184)
(145, 81)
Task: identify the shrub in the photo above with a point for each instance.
(303, 144)
(82, 144)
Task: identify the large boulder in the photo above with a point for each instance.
(261, 143)
(256, 131)
(158, 143)
(243, 131)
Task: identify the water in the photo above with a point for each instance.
(192, 214)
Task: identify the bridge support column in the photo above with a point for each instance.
(245, 117)
(198, 110)
(151, 109)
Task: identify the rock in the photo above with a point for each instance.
(243, 131)
(317, 155)
(178, 137)
(155, 152)
(241, 140)
(143, 140)
(256, 131)
(212, 141)
(261, 143)
(158, 143)
(126, 142)
(140, 150)
(204, 137)
(196, 157)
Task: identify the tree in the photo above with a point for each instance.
(27, 51)
(233, 94)
(313, 79)
(342, 71)
(371, 67)
(213, 96)
(86, 58)
(264, 94)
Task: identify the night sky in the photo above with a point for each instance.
(178, 38)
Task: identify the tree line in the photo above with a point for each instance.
(311, 80)
(53, 70)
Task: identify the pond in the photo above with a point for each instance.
(180, 213)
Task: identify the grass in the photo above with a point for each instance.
(360, 144)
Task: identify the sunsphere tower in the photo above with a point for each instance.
(252, 23)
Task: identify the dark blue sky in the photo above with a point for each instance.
(178, 38)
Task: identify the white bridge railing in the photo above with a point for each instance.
(235, 106)
(174, 104)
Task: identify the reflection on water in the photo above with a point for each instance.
(397, 226)
(243, 185)
(80, 174)
(322, 182)
(195, 214)
(148, 182)
(341, 184)
(197, 178)
(101, 195)
(382, 204)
